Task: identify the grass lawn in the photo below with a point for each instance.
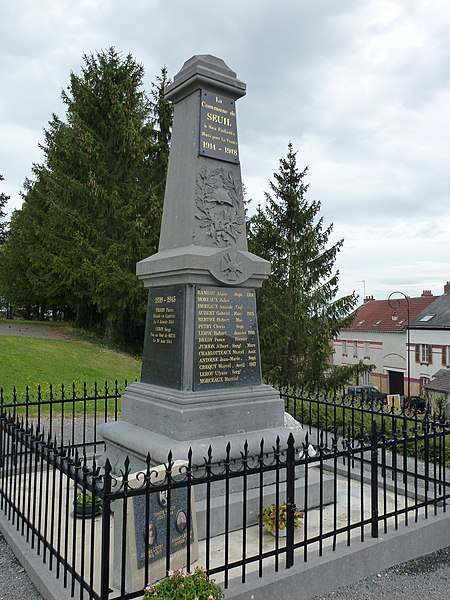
(29, 361)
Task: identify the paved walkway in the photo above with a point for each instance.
(15, 329)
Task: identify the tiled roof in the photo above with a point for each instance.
(436, 315)
(376, 315)
(440, 384)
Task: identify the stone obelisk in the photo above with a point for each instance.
(201, 376)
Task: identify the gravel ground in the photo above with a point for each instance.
(426, 577)
(14, 582)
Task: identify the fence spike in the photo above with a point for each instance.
(261, 448)
(228, 452)
(208, 459)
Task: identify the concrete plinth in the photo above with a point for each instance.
(125, 439)
(186, 415)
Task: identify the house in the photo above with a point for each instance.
(380, 336)
(438, 389)
(430, 336)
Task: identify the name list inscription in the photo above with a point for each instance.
(226, 338)
(218, 128)
(162, 360)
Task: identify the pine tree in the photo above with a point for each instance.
(161, 122)
(96, 202)
(299, 313)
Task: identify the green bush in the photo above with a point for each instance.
(179, 585)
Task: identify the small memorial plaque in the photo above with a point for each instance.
(154, 537)
(218, 128)
(153, 530)
(162, 360)
(226, 352)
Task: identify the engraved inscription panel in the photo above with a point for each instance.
(162, 360)
(218, 128)
(226, 352)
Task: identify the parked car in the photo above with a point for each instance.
(413, 403)
(367, 392)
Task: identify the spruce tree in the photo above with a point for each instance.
(3, 231)
(299, 312)
(96, 201)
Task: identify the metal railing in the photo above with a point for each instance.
(69, 416)
(137, 537)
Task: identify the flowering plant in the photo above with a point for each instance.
(269, 517)
(179, 585)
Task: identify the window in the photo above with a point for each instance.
(423, 382)
(425, 353)
(366, 349)
(426, 318)
(344, 347)
(445, 356)
(355, 349)
(364, 379)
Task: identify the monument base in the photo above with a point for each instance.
(125, 439)
(320, 491)
(183, 415)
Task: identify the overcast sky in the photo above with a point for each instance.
(360, 87)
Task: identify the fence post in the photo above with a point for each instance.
(106, 535)
(290, 501)
(374, 478)
(1, 430)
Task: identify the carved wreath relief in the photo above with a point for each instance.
(218, 198)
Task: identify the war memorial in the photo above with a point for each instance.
(201, 380)
(201, 387)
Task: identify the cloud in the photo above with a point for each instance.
(360, 88)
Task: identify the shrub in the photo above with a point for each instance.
(179, 585)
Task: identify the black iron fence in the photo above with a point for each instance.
(67, 415)
(333, 414)
(356, 473)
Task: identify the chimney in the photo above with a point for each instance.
(369, 298)
(447, 287)
(426, 293)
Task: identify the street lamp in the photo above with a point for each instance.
(395, 303)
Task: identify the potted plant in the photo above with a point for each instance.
(86, 505)
(179, 585)
(269, 518)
